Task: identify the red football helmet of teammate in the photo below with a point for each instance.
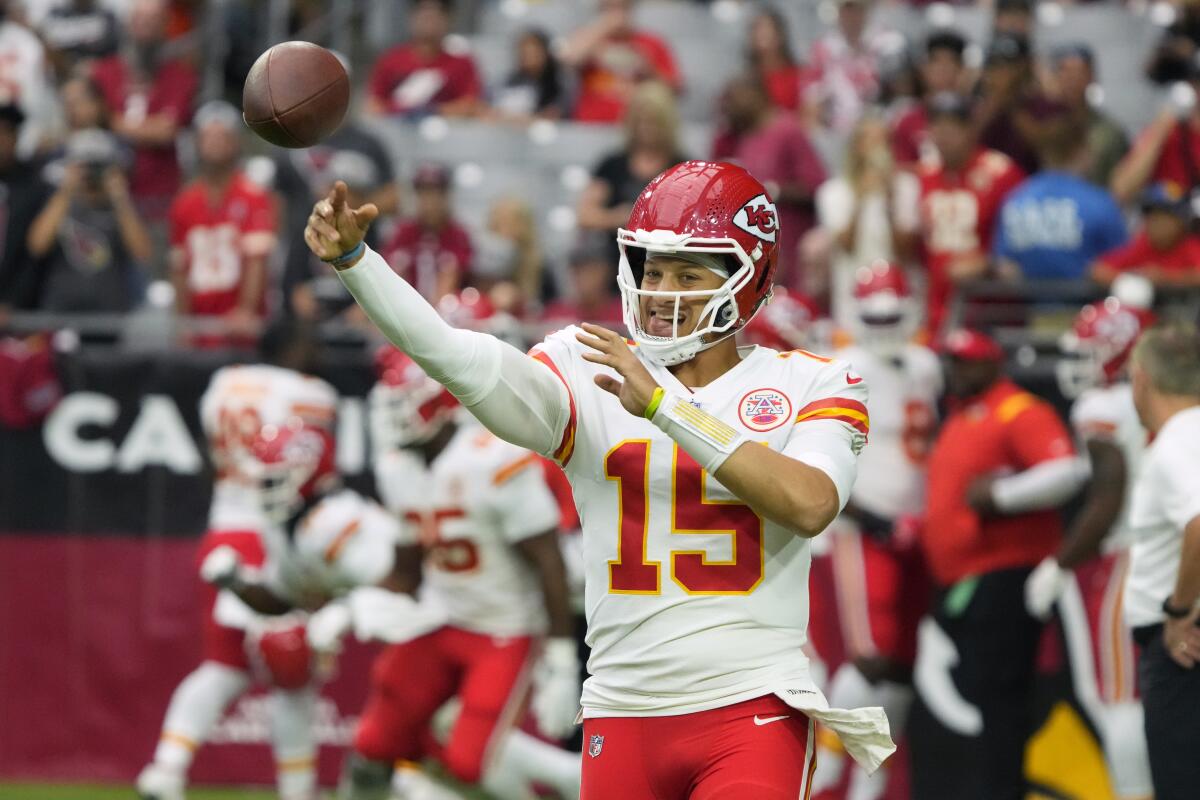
(291, 464)
(885, 314)
(407, 406)
(785, 323)
(1097, 346)
(709, 209)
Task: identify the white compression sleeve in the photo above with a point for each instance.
(1042, 486)
(518, 400)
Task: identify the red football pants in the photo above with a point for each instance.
(222, 644)
(411, 681)
(760, 749)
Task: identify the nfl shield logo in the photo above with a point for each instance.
(595, 744)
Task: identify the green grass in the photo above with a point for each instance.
(85, 791)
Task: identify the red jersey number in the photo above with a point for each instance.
(447, 554)
(214, 261)
(919, 423)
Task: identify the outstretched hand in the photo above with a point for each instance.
(334, 228)
(638, 387)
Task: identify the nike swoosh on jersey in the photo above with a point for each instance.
(768, 720)
(853, 380)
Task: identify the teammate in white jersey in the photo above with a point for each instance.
(239, 402)
(700, 471)
(879, 573)
(1086, 577)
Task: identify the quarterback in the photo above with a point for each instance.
(700, 471)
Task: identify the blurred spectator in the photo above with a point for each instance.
(1167, 150)
(770, 57)
(871, 210)
(83, 109)
(23, 77)
(1000, 469)
(1007, 97)
(509, 251)
(22, 196)
(535, 88)
(613, 57)
(590, 296)
(775, 148)
(1172, 59)
(1074, 75)
(78, 30)
(845, 66)
(1165, 250)
(1056, 223)
(90, 237)
(942, 70)
(150, 97)
(222, 230)
(432, 251)
(1014, 18)
(961, 194)
(651, 145)
(427, 74)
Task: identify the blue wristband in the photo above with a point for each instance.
(346, 258)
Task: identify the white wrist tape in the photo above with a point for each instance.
(704, 437)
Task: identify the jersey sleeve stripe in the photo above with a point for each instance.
(855, 422)
(567, 446)
(1010, 408)
(842, 409)
(339, 542)
(507, 472)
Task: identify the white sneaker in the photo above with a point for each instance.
(159, 783)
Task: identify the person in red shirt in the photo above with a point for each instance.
(423, 75)
(150, 98)
(431, 251)
(612, 58)
(1165, 251)
(223, 228)
(941, 71)
(1002, 464)
(961, 193)
(769, 52)
(591, 296)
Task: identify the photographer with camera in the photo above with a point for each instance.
(90, 237)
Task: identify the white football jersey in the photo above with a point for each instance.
(903, 407)
(1107, 412)
(238, 402)
(344, 541)
(693, 601)
(470, 507)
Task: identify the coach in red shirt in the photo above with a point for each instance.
(1002, 464)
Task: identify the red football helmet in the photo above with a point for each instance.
(700, 207)
(885, 314)
(291, 464)
(1097, 346)
(785, 323)
(407, 406)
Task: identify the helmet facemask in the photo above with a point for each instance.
(885, 323)
(720, 316)
(1080, 366)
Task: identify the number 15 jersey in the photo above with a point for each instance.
(693, 601)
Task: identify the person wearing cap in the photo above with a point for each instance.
(1162, 590)
(1164, 250)
(1073, 69)
(24, 193)
(961, 193)
(1008, 107)
(999, 469)
(431, 250)
(151, 97)
(1056, 223)
(222, 230)
(845, 65)
(942, 70)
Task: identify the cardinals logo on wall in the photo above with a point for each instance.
(758, 218)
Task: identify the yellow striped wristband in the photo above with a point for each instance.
(655, 401)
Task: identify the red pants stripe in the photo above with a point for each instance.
(411, 681)
(760, 749)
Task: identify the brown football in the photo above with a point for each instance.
(295, 95)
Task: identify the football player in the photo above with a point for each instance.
(877, 565)
(1087, 575)
(700, 472)
(488, 523)
(239, 402)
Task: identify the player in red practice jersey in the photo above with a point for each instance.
(700, 471)
(961, 193)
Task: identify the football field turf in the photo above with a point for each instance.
(83, 791)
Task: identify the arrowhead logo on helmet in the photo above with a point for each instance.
(758, 217)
